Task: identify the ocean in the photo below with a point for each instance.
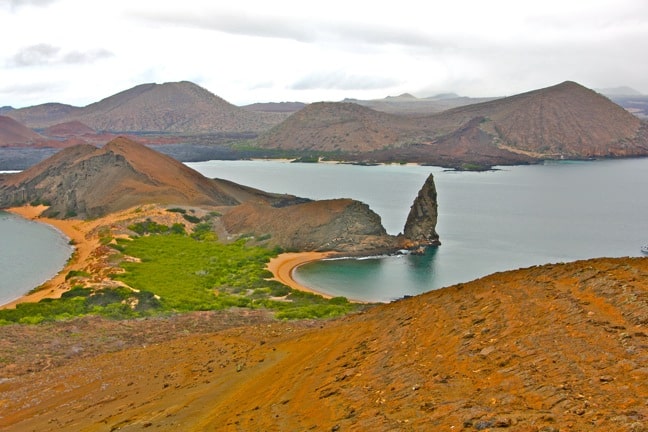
(491, 221)
(30, 254)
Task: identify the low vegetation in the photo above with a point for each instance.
(175, 272)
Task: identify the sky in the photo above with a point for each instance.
(81, 51)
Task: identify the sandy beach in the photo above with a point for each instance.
(282, 268)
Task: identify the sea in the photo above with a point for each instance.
(30, 254)
(503, 219)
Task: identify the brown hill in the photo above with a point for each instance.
(89, 182)
(548, 348)
(68, 129)
(40, 116)
(566, 120)
(176, 107)
(335, 126)
(563, 121)
(15, 134)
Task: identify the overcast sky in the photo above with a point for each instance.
(80, 51)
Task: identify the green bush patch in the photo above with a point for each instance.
(177, 272)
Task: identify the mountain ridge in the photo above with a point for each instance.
(562, 121)
(174, 107)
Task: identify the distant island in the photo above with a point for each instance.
(565, 121)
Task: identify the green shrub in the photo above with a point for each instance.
(76, 273)
(191, 218)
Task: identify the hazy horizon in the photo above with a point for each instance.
(77, 52)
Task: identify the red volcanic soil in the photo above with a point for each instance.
(548, 348)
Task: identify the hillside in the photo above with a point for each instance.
(563, 121)
(335, 126)
(68, 129)
(40, 116)
(15, 134)
(89, 182)
(176, 107)
(548, 348)
(566, 120)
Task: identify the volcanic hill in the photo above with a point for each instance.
(15, 134)
(563, 121)
(175, 107)
(335, 126)
(549, 348)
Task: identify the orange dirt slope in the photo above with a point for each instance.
(556, 347)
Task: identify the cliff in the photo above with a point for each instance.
(341, 225)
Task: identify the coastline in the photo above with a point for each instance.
(283, 266)
(76, 231)
(79, 233)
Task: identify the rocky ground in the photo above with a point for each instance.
(553, 348)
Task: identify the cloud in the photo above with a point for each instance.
(46, 54)
(27, 91)
(339, 80)
(15, 4)
(302, 29)
(35, 55)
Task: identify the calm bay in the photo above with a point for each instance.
(491, 221)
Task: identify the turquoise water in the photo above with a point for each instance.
(488, 221)
(30, 254)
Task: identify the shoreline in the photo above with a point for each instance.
(83, 247)
(78, 232)
(282, 267)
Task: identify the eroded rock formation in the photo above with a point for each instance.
(421, 222)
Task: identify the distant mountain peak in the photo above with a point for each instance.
(404, 96)
(171, 107)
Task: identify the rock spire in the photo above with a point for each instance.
(422, 219)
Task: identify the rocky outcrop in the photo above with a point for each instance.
(341, 225)
(421, 222)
